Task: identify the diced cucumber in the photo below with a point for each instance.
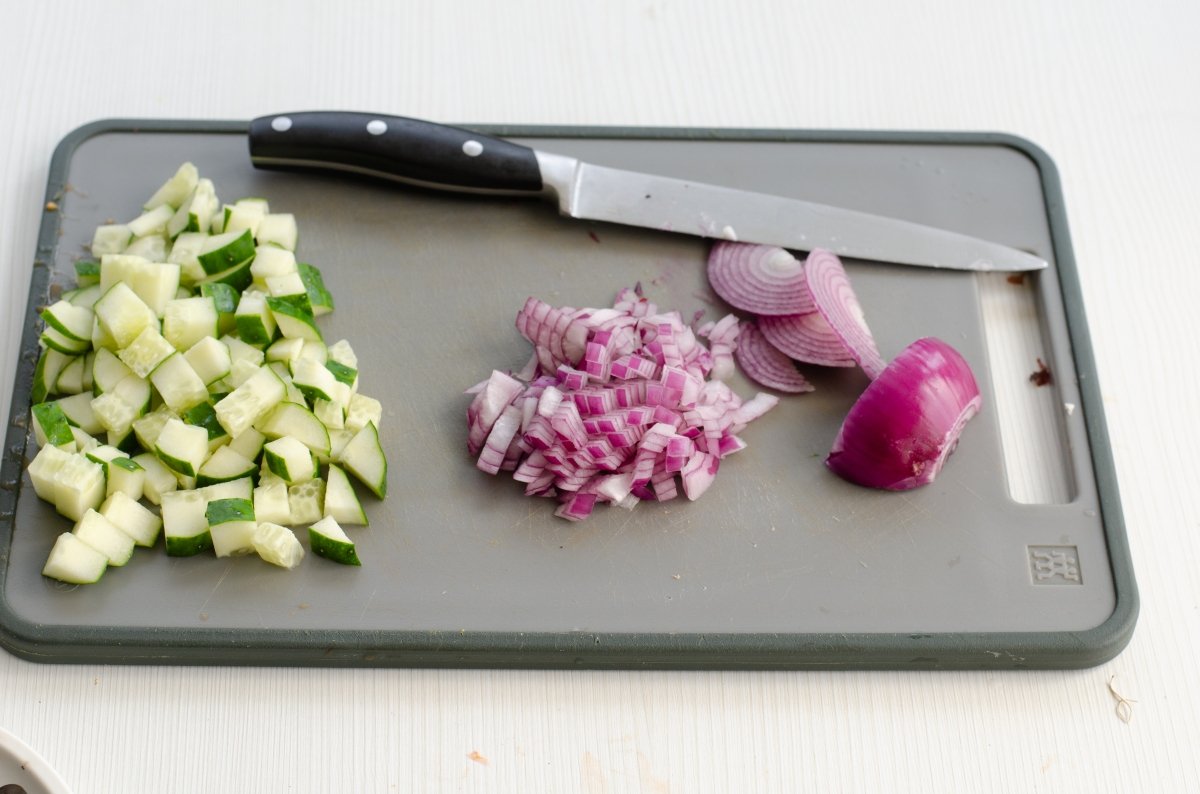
(270, 261)
(210, 359)
(73, 561)
(237, 277)
(341, 502)
(293, 420)
(107, 371)
(187, 321)
(153, 247)
(185, 525)
(271, 501)
(290, 284)
(314, 284)
(341, 352)
(83, 441)
(74, 322)
(306, 502)
(223, 251)
(364, 458)
(278, 229)
(331, 414)
(117, 408)
(147, 427)
(78, 410)
(86, 297)
(176, 190)
(87, 273)
(152, 221)
(245, 213)
(231, 524)
(205, 415)
(182, 447)
(110, 239)
(54, 339)
(154, 282)
(250, 401)
(98, 532)
(277, 544)
(290, 460)
(249, 444)
(327, 539)
(44, 467)
(71, 380)
(195, 213)
(45, 374)
(50, 426)
(178, 384)
(78, 486)
(255, 322)
(285, 350)
(294, 317)
(314, 379)
(121, 473)
(363, 410)
(124, 315)
(147, 350)
(132, 517)
(159, 479)
(224, 465)
(184, 252)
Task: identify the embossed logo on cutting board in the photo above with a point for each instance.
(1054, 565)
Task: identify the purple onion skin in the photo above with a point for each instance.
(899, 433)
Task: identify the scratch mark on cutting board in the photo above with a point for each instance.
(216, 587)
(367, 605)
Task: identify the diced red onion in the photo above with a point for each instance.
(758, 278)
(614, 404)
(899, 433)
(837, 303)
(764, 363)
(808, 338)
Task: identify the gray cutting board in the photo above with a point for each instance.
(780, 564)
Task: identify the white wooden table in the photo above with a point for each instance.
(1110, 89)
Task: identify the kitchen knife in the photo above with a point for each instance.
(450, 158)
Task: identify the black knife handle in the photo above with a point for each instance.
(394, 147)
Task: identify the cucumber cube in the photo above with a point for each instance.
(187, 321)
(160, 480)
(185, 524)
(182, 447)
(110, 239)
(364, 458)
(146, 351)
(223, 251)
(210, 359)
(152, 221)
(341, 502)
(98, 532)
(271, 501)
(123, 315)
(255, 322)
(74, 562)
(175, 190)
(178, 384)
(231, 524)
(278, 229)
(132, 517)
(44, 467)
(78, 486)
(277, 545)
(306, 502)
(50, 426)
(290, 460)
(327, 539)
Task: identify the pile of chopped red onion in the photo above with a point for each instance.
(614, 404)
(907, 422)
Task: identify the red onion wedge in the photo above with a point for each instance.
(837, 303)
(619, 405)
(761, 279)
(808, 338)
(908, 421)
(763, 363)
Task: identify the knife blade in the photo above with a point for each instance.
(451, 158)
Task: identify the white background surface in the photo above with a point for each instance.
(1110, 89)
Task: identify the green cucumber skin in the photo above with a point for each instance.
(189, 547)
(220, 511)
(335, 550)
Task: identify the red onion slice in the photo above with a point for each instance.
(837, 303)
(764, 363)
(908, 421)
(762, 279)
(808, 338)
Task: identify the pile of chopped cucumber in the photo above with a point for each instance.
(185, 389)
